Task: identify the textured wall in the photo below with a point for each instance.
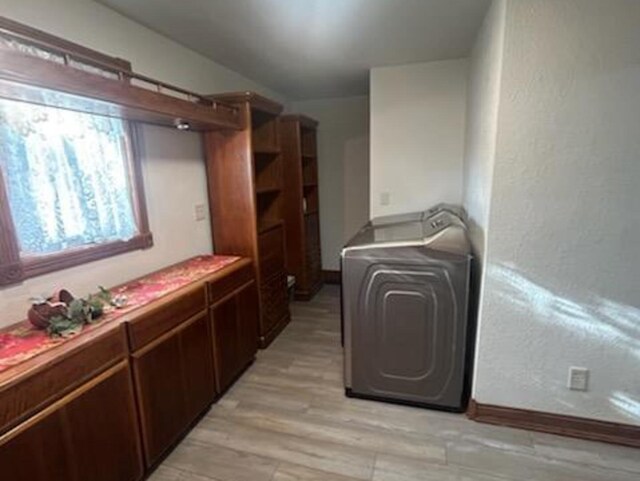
(482, 122)
(562, 264)
(343, 169)
(417, 135)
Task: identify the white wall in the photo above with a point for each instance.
(174, 171)
(343, 169)
(417, 135)
(561, 284)
(482, 122)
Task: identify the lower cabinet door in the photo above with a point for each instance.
(91, 434)
(248, 316)
(174, 383)
(235, 334)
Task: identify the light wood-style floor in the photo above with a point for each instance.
(287, 419)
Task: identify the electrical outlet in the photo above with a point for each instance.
(578, 378)
(385, 198)
(200, 212)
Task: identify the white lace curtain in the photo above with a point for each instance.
(67, 177)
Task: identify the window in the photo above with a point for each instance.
(71, 190)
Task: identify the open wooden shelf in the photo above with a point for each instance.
(267, 173)
(248, 193)
(268, 190)
(302, 225)
(267, 224)
(308, 140)
(265, 152)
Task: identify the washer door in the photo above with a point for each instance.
(408, 341)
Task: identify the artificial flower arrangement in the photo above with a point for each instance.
(63, 315)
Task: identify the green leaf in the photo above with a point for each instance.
(61, 326)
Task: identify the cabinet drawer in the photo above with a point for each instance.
(52, 380)
(223, 286)
(271, 251)
(90, 434)
(274, 302)
(165, 316)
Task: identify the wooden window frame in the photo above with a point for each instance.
(15, 268)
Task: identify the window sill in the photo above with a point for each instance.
(37, 266)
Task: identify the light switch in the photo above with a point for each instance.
(385, 198)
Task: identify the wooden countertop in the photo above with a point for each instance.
(24, 348)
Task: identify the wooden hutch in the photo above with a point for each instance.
(301, 203)
(245, 177)
(110, 402)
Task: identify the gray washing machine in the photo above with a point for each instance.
(405, 305)
(418, 216)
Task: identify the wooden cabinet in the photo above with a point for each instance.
(174, 375)
(234, 321)
(37, 384)
(188, 348)
(301, 201)
(90, 434)
(245, 178)
(233, 311)
(108, 403)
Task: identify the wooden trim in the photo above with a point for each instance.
(256, 101)
(37, 266)
(25, 76)
(332, 277)
(563, 425)
(10, 265)
(303, 120)
(46, 40)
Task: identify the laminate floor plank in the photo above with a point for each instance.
(320, 429)
(287, 419)
(295, 472)
(321, 455)
(197, 458)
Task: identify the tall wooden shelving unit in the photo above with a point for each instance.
(301, 203)
(245, 176)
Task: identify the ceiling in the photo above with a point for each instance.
(313, 48)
